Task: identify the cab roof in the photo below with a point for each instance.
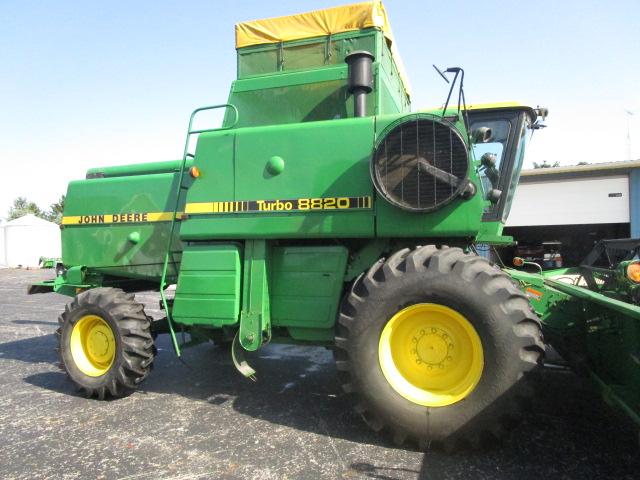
(505, 106)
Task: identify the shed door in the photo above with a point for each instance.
(571, 202)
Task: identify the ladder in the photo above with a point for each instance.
(180, 188)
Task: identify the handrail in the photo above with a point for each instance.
(204, 130)
(185, 155)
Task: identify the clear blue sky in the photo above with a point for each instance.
(87, 84)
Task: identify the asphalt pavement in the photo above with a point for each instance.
(198, 419)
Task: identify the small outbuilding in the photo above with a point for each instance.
(3, 260)
(24, 240)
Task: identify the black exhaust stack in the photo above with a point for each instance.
(360, 79)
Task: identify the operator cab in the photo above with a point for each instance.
(501, 154)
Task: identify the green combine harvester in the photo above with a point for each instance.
(322, 211)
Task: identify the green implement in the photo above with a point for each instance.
(591, 316)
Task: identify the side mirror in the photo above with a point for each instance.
(542, 112)
(488, 160)
(481, 135)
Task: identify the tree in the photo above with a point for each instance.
(546, 165)
(21, 207)
(55, 211)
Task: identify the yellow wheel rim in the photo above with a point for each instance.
(93, 346)
(431, 355)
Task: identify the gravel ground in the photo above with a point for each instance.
(198, 418)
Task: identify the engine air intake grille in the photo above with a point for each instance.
(421, 164)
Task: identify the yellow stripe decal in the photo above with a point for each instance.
(249, 206)
(144, 217)
(290, 205)
(206, 207)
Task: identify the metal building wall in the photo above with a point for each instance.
(634, 202)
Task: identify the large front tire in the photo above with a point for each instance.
(435, 344)
(105, 342)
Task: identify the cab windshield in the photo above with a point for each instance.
(500, 157)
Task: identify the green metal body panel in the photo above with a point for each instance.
(307, 285)
(458, 219)
(306, 80)
(208, 289)
(304, 55)
(102, 213)
(491, 233)
(170, 166)
(294, 287)
(321, 160)
(255, 318)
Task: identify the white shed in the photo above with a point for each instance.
(3, 255)
(26, 239)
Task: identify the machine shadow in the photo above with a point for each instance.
(567, 430)
(298, 388)
(38, 349)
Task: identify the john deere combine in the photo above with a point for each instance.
(321, 212)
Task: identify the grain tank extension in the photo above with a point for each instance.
(323, 211)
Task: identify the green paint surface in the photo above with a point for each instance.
(208, 289)
(307, 285)
(302, 162)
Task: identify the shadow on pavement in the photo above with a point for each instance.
(34, 322)
(39, 349)
(383, 473)
(570, 433)
(293, 389)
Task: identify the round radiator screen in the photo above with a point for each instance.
(421, 164)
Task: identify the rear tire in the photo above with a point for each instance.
(455, 295)
(105, 342)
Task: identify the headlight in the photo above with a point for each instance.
(633, 272)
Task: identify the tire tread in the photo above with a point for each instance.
(469, 268)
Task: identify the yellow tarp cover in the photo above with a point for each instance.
(313, 24)
(319, 23)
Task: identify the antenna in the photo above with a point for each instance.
(629, 115)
